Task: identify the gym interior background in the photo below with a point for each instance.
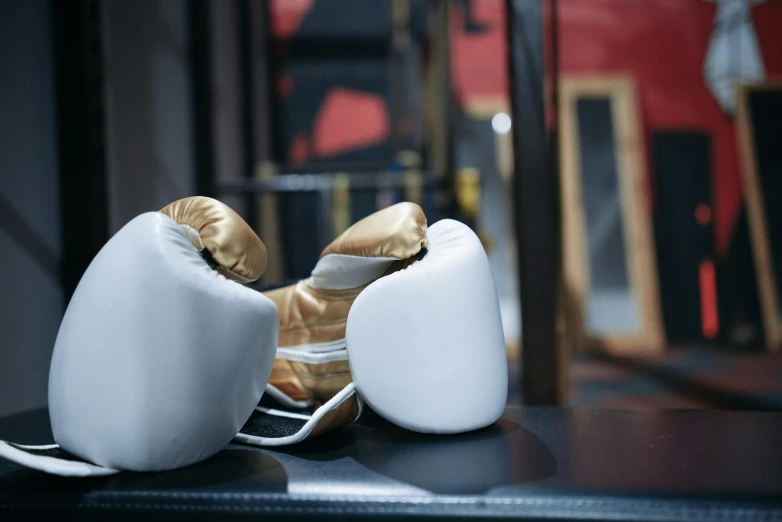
(617, 159)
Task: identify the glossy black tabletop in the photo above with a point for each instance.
(558, 463)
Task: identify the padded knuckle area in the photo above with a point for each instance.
(231, 242)
(445, 337)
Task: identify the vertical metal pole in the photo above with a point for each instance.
(536, 204)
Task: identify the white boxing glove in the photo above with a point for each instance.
(425, 344)
(162, 355)
(404, 318)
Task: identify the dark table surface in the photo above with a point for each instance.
(535, 462)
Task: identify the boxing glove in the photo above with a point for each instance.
(162, 355)
(313, 312)
(404, 318)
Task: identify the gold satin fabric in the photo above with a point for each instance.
(310, 315)
(284, 378)
(229, 239)
(397, 231)
(323, 381)
(310, 382)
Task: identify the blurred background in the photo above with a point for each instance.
(621, 161)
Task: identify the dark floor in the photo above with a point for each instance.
(682, 378)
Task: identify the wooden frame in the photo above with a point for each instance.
(639, 243)
(761, 249)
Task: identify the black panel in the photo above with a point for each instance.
(766, 118)
(682, 162)
(271, 426)
(301, 214)
(739, 306)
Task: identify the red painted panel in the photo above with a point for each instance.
(479, 68)
(287, 15)
(350, 120)
(710, 323)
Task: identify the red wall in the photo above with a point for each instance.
(479, 66)
(662, 43)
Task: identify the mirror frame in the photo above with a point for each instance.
(636, 210)
(768, 289)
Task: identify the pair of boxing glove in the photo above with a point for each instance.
(164, 353)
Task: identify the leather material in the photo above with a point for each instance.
(314, 312)
(535, 463)
(311, 382)
(160, 359)
(427, 340)
(425, 344)
(343, 272)
(231, 242)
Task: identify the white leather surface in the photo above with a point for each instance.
(340, 271)
(311, 357)
(425, 344)
(159, 360)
